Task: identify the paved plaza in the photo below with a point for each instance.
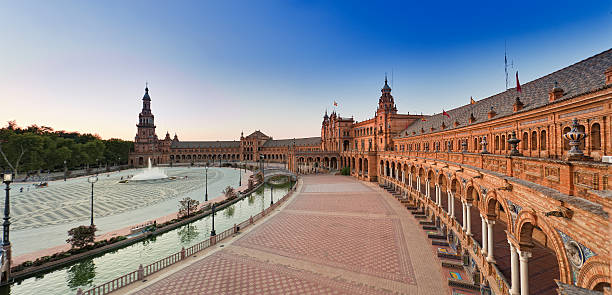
(64, 202)
(336, 236)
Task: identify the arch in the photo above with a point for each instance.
(595, 137)
(543, 140)
(525, 141)
(594, 273)
(471, 193)
(534, 140)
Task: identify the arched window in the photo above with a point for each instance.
(581, 129)
(543, 140)
(595, 137)
(534, 140)
(525, 145)
(496, 142)
(475, 147)
(566, 145)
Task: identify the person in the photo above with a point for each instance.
(21, 190)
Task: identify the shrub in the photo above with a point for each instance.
(81, 236)
(345, 171)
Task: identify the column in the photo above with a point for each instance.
(403, 178)
(463, 225)
(452, 208)
(485, 245)
(427, 188)
(468, 217)
(490, 224)
(410, 179)
(514, 265)
(524, 258)
(449, 198)
(419, 184)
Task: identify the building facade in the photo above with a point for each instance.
(170, 151)
(518, 182)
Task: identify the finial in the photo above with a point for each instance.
(146, 86)
(385, 78)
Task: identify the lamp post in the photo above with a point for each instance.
(7, 179)
(212, 232)
(271, 194)
(65, 170)
(206, 194)
(239, 176)
(92, 179)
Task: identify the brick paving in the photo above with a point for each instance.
(336, 236)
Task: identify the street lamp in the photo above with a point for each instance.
(239, 176)
(212, 232)
(7, 179)
(206, 194)
(92, 179)
(271, 194)
(65, 170)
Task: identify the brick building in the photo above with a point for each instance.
(516, 181)
(172, 150)
(527, 208)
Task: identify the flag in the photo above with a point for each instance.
(335, 103)
(445, 114)
(472, 101)
(518, 85)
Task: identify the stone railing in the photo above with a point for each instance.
(144, 271)
(576, 178)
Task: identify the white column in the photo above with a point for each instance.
(490, 257)
(452, 208)
(514, 265)
(463, 225)
(419, 183)
(439, 191)
(427, 188)
(524, 258)
(468, 217)
(410, 179)
(403, 178)
(449, 197)
(485, 245)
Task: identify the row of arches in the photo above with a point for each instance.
(357, 165)
(316, 164)
(505, 232)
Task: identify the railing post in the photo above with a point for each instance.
(235, 228)
(251, 219)
(140, 274)
(80, 291)
(182, 253)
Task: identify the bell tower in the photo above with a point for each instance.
(146, 139)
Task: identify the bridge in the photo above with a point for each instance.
(271, 172)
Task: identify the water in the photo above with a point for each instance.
(95, 271)
(150, 173)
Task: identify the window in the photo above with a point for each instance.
(543, 140)
(595, 137)
(525, 145)
(534, 141)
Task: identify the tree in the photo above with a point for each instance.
(81, 236)
(229, 192)
(187, 206)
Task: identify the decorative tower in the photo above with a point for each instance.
(386, 103)
(145, 142)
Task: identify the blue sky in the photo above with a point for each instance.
(216, 68)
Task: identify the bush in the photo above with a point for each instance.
(345, 171)
(81, 236)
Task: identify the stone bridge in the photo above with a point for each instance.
(271, 172)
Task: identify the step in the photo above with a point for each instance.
(411, 208)
(439, 242)
(452, 264)
(450, 256)
(463, 284)
(420, 216)
(426, 222)
(405, 201)
(429, 227)
(436, 236)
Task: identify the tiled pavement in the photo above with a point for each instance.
(337, 236)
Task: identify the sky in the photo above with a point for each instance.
(216, 68)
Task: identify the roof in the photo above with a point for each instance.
(257, 134)
(580, 78)
(308, 141)
(204, 144)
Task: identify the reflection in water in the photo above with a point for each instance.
(229, 211)
(251, 198)
(81, 274)
(188, 233)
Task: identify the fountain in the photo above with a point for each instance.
(150, 173)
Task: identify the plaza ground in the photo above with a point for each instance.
(337, 235)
